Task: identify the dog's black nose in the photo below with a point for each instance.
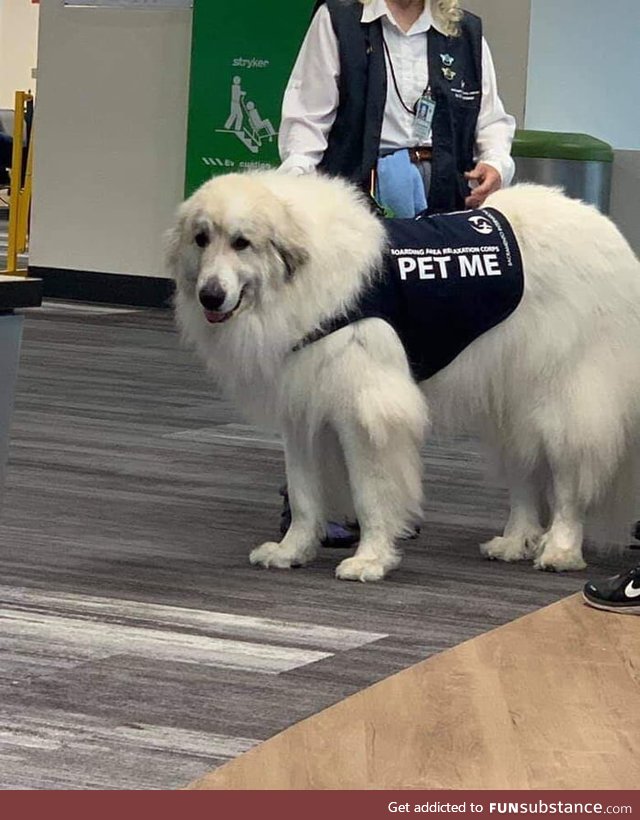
(212, 296)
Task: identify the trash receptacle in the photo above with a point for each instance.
(580, 164)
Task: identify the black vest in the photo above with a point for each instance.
(354, 140)
(446, 280)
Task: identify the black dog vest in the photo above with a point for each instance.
(446, 280)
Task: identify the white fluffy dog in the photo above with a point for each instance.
(554, 390)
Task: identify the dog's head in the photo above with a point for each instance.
(234, 245)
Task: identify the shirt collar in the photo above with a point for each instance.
(377, 9)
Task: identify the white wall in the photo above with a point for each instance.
(110, 136)
(584, 69)
(18, 48)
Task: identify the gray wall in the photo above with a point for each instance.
(563, 66)
(584, 69)
(506, 27)
(625, 196)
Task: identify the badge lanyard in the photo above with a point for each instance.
(424, 108)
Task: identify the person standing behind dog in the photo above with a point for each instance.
(400, 97)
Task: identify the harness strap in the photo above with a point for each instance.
(337, 323)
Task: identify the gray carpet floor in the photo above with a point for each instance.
(138, 647)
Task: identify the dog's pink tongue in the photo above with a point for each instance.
(214, 316)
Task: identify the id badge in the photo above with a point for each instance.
(423, 119)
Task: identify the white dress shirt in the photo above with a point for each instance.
(311, 98)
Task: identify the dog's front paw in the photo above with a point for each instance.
(504, 548)
(555, 558)
(361, 569)
(272, 554)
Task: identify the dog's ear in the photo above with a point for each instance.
(173, 242)
(293, 257)
(290, 244)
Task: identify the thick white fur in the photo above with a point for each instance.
(554, 390)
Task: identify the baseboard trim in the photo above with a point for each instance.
(104, 288)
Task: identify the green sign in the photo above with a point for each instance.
(242, 55)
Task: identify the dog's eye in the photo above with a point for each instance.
(239, 243)
(202, 239)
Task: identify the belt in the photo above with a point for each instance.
(420, 154)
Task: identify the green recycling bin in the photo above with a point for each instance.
(580, 164)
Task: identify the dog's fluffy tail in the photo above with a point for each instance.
(396, 402)
(394, 416)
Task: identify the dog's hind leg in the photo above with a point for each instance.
(301, 542)
(560, 547)
(584, 439)
(520, 539)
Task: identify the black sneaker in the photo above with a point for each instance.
(621, 593)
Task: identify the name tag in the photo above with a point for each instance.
(423, 119)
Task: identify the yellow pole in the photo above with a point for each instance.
(25, 200)
(18, 223)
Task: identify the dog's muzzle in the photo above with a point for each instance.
(212, 296)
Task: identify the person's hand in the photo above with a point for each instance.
(488, 179)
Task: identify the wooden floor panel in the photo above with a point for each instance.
(550, 701)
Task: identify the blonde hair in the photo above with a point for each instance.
(446, 13)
